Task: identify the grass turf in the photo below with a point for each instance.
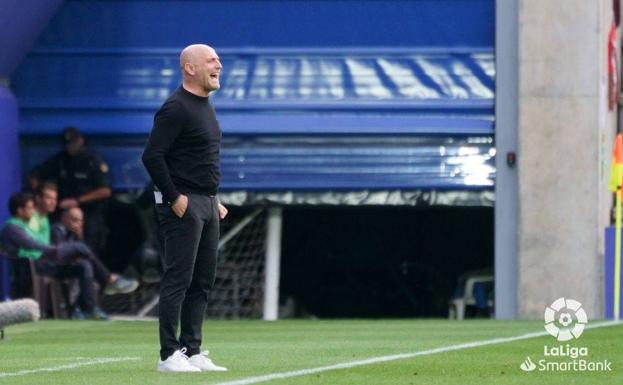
(254, 348)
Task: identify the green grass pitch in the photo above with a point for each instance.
(66, 352)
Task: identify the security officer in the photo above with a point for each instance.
(82, 179)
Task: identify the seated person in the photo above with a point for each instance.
(71, 229)
(18, 240)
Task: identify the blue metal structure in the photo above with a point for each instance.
(374, 91)
(292, 118)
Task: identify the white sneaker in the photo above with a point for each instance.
(203, 363)
(177, 362)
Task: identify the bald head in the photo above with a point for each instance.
(201, 69)
(72, 213)
(73, 219)
(193, 54)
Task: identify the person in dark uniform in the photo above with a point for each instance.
(182, 158)
(82, 179)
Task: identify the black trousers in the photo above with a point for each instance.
(79, 251)
(190, 245)
(100, 271)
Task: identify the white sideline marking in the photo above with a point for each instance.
(96, 361)
(393, 357)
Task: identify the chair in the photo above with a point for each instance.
(44, 287)
(459, 304)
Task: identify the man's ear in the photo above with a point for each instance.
(189, 68)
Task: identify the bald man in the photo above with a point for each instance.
(182, 158)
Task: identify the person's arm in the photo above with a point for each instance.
(74, 247)
(100, 179)
(93, 195)
(16, 237)
(98, 175)
(167, 126)
(97, 194)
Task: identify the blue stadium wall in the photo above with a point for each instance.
(316, 95)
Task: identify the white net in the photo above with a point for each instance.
(239, 287)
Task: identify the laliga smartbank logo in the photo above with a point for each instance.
(565, 320)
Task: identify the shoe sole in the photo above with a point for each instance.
(210, 370)
(177, 371)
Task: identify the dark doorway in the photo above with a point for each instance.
(381, 261)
